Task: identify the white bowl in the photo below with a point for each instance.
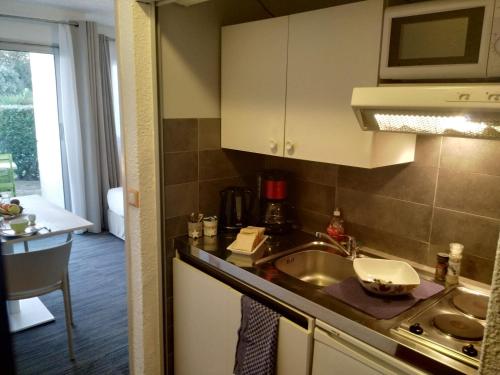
(386, 277)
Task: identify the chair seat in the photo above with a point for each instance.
(34, 293)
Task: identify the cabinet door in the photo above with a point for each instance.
(206, 322)
(340, 354)
(331, 51)
(253, 85)
(294, 348)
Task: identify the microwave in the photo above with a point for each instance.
(441, 40)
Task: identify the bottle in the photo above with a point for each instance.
(336, 227)
(453, 272)
(441, 266)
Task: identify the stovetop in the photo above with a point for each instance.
(454, 325)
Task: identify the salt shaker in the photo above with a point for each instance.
(453, 273)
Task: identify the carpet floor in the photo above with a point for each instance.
(99, 297)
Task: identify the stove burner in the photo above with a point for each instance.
(472, 304)
(459, 326)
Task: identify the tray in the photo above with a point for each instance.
(10, 233)
(236, 251)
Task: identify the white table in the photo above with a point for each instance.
(27, 313)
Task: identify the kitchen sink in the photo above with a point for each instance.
(318, 267)
(318, 263)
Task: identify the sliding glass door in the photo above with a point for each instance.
(29, 120)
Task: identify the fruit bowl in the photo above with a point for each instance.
(386, 277)
(8, 212)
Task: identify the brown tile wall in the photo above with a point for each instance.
(451, 192)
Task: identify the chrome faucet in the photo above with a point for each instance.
(351, 250)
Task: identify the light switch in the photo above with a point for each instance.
(133, 197)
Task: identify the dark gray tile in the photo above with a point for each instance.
(176, 226)
(478, 235)
(209, 134)
(180, 167)
(405, 181)
(209, 193)
(397, 245)
(405, 219)
(467, 192)
(180, 135)
(312, 197)
(319, 173)
(181, 199)
(427, 150)
(311, 221)
(215, 164)
(471, 155)
(477, 268)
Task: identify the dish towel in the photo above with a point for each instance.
(352, 293)
(257, 339)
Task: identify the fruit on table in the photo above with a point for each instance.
(10, 209)
(15, 201)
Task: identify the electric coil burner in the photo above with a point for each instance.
(459, 326)
(472, 304)
(454, 325)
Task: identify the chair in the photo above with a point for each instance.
(40, 272)
(7, 174)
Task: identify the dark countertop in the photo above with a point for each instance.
(211, 255)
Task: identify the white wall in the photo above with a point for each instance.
(190, 54)
(190, 61)
(135, 31)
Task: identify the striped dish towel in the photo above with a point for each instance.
(257, 339)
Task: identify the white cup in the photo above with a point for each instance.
(32, 219)
(210, 226)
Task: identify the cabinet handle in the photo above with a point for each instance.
(289, 147)
(273, 146)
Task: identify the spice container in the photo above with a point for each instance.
(453, 272)
(210, 226)
(441, 267)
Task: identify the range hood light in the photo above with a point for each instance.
(429, 124)
(456, 111)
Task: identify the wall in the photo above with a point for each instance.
(450, 193)
(136, 68)
(44, 33)
(194, 168)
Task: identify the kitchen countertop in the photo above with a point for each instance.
(211, 255)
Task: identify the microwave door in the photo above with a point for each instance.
(494, 54)
(424, 41)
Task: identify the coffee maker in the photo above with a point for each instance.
(236, 205)
(276, 211)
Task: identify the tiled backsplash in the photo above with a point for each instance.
(451, 192)
(196, 169)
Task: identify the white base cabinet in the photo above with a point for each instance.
(336, 353)
(207, 316)
(286, 87)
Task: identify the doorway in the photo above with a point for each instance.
(29, 121)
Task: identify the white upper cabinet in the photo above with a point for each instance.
(328, 52)
(253, 86)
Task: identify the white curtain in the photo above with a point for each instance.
(71, 121)
(87, 106)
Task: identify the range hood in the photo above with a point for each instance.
(461, 111)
